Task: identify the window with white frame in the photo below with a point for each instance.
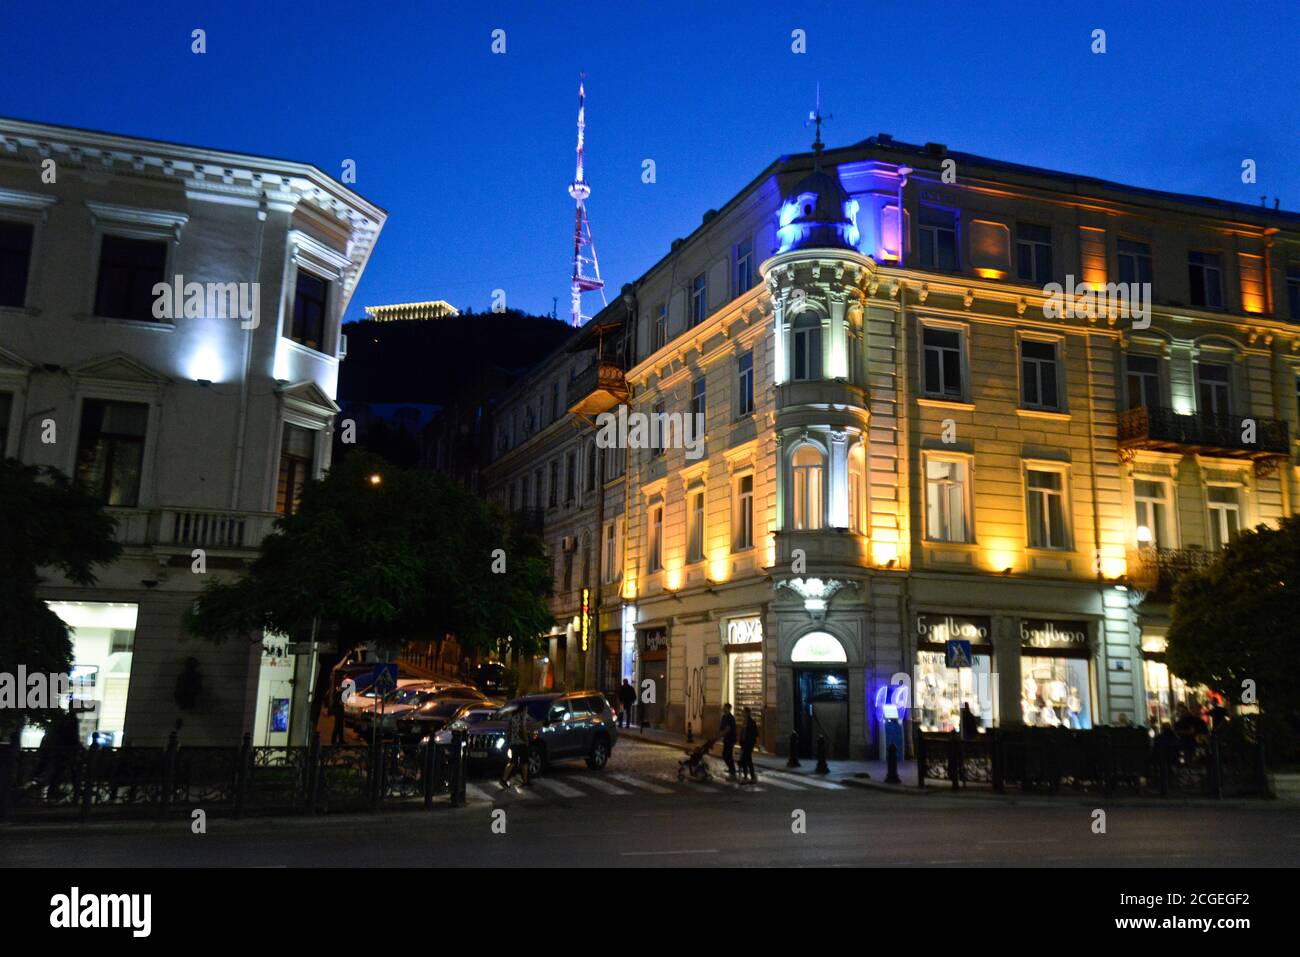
(937, 239)
(110, 450)
(1212, 389)
(657, 411)
(699, 390)
(129, 268)
(807, 467)
(310, 310)
(1039, 375)
(1205, 275)
(695, 527)
(857, 488)
(1143, 380)
(613, 560)
(807, 336)
(941, 362)
(661, 327)
(16, 241)
(1224, 505)
(743, 528)
(1152, 513)
(699, 299)
(655, 560)
(947, 501)
(297, 467)
(745, 384)
(1046, 508)
(744, 266)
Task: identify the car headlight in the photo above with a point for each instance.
(501, 743)
(442, 737)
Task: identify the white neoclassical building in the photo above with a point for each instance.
(196, 416)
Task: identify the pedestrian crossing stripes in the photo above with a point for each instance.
(601, 784)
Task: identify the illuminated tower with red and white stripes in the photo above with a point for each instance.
(584, 247)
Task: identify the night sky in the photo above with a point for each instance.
(471, 152)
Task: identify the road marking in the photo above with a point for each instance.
(1036, 840)
(781, 783)
(804, 779)
(601, 785)
(558, 789)
(523, 793)
(477, 793)
(638, 783)
(709, 850)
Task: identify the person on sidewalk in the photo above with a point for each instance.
(748, 738)
(727, 731)
(626, 698)
(970, 722)
(517, 742)
(336, 711)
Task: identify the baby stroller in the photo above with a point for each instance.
(694, 763)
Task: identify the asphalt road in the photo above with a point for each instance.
(636, 814)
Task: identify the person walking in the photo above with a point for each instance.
(336, 710)
(727, 729)
(626, 698)
(517, 742)
(748, 738)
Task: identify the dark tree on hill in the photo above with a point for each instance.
(1238, 622)
(45, 522)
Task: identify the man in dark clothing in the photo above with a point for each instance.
(748, 738)
(727, 728)
(517, 742)
(626, 697)
(970, 722)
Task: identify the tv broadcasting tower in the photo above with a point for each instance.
(579, 190)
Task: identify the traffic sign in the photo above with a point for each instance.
(958, 653)
(384, 677)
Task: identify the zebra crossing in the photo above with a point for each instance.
(622, 784)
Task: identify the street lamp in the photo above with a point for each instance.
(375, 478)
(1143, 535)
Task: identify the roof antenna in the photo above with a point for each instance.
(816, 119)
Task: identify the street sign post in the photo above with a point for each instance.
(958, 653)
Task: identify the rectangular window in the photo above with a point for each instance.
(937, 239)
(807, 347)
(699, 299)
(128, 271)
(1151, 512)
(1212, 389)
(661, 326)
(297, 451)
(743, 536)
(942, 362)
(745, 384)
(1046, 507)
(15, 261)
(553, 491)
(611, 552)
(1038, 375)
(1205, 274)
(656, 558)
(946, 501)
(570, 478)
(310, 298)
(1143, 375)
(695, 528)
(657, 413)
(1134, 261)
(1034, 253)
(744, 266)
(698, 396)
(6, 409)
(1225, 514)
(110, 450)
(537, 489)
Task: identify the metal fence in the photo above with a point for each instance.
(1226, 763)
(82, 783)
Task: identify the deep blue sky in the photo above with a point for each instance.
(471, 152)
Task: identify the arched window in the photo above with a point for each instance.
(857, 489)
(818, 648)
(807, 347)
(807, 468)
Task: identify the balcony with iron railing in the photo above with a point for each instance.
(1157, 570)
(1235, 436)
(182, 529)
(598, 388)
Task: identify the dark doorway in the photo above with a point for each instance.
(821, 707)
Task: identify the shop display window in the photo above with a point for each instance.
(1055, 692)
(941, 691)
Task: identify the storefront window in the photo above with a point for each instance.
(941, 691)
(1054, 692)
(744, 681)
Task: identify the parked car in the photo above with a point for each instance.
(468, 717)
(358, 709)
(490, 678)
(573, 724)
(428, 710)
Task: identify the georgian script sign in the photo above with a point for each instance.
(655, 639)
(744, 631)
(940, 629)
(1049, 633)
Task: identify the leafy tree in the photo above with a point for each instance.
(1236, 621)
(386, 555)
(45, 522)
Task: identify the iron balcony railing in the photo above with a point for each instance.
(1157, 570)
(1243, 435)
(603, 380)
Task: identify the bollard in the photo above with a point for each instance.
(822, 766)
(891, 759)
(793, 760)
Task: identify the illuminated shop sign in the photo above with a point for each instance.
(1046, 633)
(940, 629)
(586, 616)
(744, 631)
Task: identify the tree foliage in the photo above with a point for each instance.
(46, 522)
(407, 557)
(1236, 621)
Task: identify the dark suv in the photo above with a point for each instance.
(575, 724)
